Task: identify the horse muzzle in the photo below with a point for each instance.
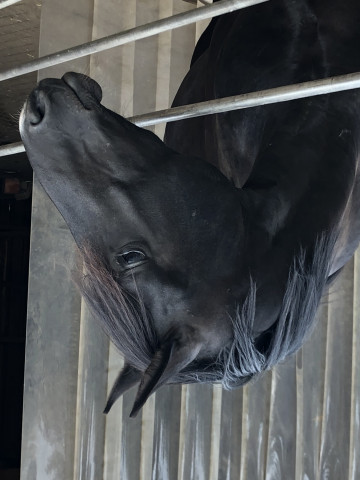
(74, 91)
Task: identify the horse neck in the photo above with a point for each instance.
(304, 184)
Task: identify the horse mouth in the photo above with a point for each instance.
(83, 89)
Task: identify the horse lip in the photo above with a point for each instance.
(85, 88)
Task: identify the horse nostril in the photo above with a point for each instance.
(36, 108)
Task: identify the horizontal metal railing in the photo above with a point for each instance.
(11, 149)
(235, 102)
(220, 105)
(137, 33)
(7, 3)
(253, 99)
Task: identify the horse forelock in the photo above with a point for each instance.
(129, 325)
(122, 316)
(126, 321)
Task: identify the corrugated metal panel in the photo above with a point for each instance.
(300, 421)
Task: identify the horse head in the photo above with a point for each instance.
(193, 279)
(162, 234)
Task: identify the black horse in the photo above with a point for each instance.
(207, 255)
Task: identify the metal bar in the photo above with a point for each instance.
(137, 33)
(236, 102)
(253, 99)
(7, 3)
(11, 149)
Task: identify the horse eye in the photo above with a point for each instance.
(130, 258)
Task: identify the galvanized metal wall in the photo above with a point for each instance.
(301, 421)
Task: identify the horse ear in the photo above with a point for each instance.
(126, 379)
(180, 347)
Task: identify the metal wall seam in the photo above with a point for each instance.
(215, 432)
(354, 458)
(54, 305)
(334, 448)
(108, 70)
